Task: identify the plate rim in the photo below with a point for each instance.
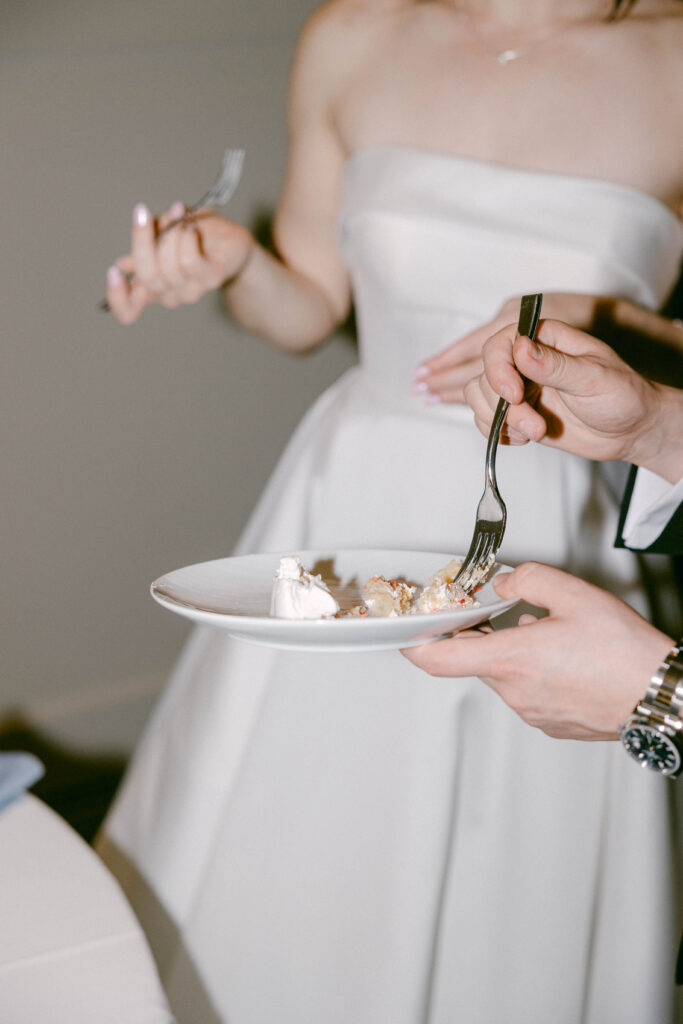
(165, 599)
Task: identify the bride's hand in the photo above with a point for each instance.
(179, 266)
(443, 377)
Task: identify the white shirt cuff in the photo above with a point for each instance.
(653, 503)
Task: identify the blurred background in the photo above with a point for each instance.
(126, 452)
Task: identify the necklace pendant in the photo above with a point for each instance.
(505, 56)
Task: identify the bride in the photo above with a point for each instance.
(334, 838)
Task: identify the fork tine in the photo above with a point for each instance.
(486, 544)
(227, 180)
(484, 551)
(488, 547)
(471, 557)
(481, 547)
(470, 562)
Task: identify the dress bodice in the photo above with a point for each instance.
(436, 243)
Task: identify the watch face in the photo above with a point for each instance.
(652, 749)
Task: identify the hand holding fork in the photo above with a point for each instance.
(121, 275)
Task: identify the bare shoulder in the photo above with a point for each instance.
(650, 41)
(661, 23)
(662, 19)
(339, 33)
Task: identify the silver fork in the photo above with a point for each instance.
(491, 512)
(219, 194)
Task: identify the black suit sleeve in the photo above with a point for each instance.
(670, 540)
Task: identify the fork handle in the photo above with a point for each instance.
(494, 437)
(529, 313)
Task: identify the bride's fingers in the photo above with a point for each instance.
(436, 364)
(174, 213)
(188, 265)
(170, 269)
(191, 263)
(126, 300)
(143, 248)
(462, 350)
(449, 385)
(126, 264)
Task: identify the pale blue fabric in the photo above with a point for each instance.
(18, 772)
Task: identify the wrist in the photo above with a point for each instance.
(650, 649)
(659, 447)
(234, 277)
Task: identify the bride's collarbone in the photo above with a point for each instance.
(577, 138)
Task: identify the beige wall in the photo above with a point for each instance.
(126, 452)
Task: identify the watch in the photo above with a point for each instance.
(653, 733)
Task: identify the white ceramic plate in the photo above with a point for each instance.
(234, 594)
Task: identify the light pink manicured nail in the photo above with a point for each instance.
(420, 388)
(141, 215)
(114, 277)
(421, 371)
(177, 211)
(433, 400)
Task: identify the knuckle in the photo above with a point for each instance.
(187, 261)
(148, 277)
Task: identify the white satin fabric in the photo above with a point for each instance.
(71, 950)
(340, 839)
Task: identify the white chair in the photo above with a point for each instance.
(71, 950)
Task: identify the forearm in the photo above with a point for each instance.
(660, 447)
(628, 316)
(287, 308)
(652, 344)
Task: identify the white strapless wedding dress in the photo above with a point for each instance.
(341, 839)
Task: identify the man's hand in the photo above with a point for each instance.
(576, 674)
(443, 377)
(573, 392)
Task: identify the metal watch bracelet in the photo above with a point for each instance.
(660, 708)
(665, 692)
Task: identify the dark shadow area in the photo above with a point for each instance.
(674, 310)
(182, 982)
(659, 359)
(78, 786)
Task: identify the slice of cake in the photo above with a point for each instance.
(442, 594)
(387, 598)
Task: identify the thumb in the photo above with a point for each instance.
(540, 585)
(549, 367)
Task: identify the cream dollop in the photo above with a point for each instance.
(298, 594)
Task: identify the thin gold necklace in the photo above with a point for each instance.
(507, 55)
